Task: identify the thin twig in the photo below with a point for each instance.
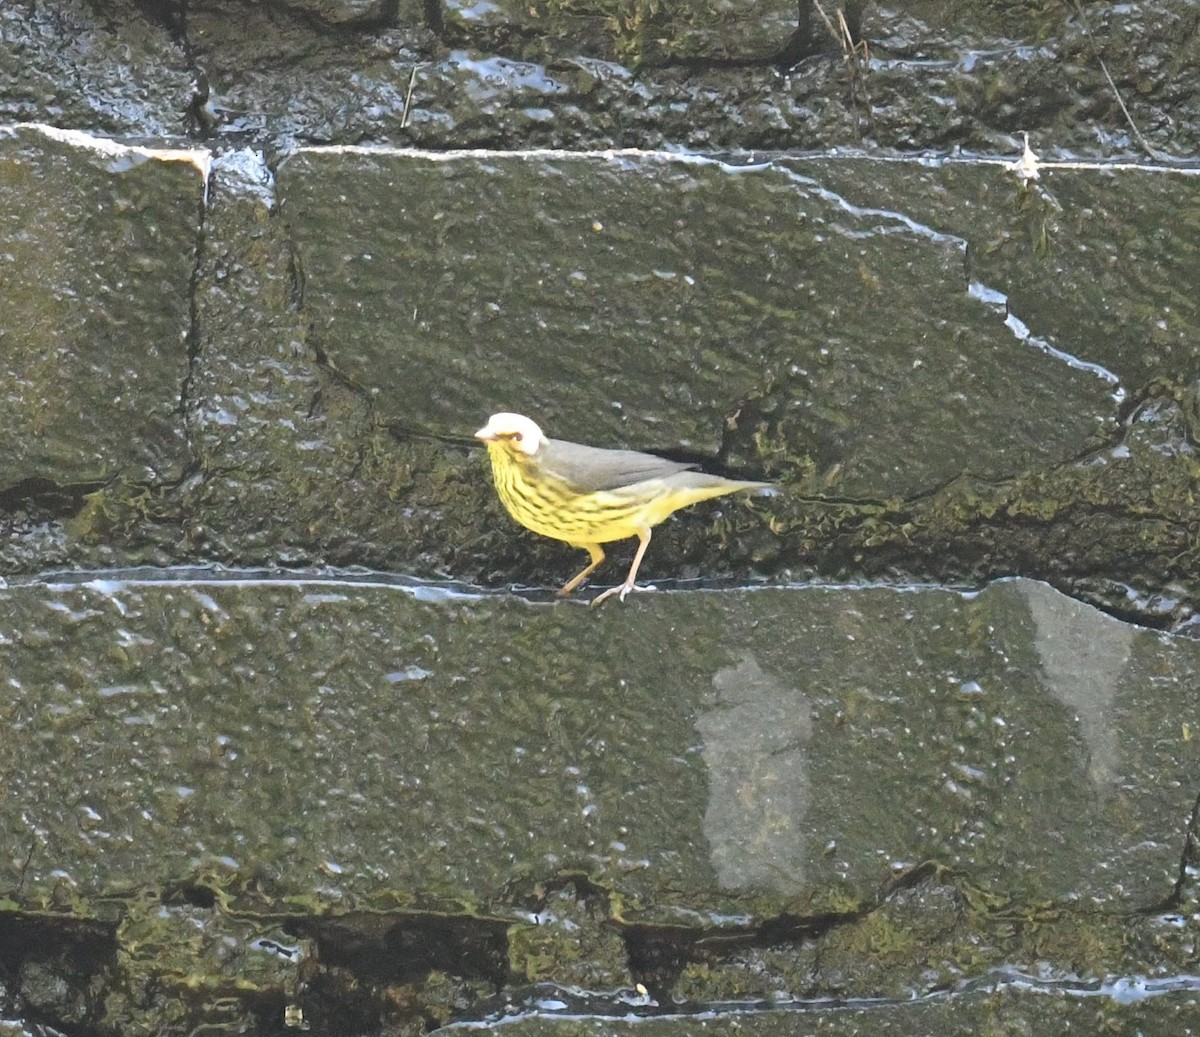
(855, 55)
(1150, 150)
(825, 19)
(412, 82)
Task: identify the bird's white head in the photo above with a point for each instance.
(514, 431)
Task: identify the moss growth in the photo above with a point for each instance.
(635, 30)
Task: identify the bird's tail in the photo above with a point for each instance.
(698, 486)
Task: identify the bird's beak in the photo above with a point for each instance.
(486, 434)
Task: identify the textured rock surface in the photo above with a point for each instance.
(385, 794)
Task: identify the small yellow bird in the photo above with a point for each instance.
(588, 496)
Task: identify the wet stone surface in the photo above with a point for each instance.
(1020, 1011)
(1018, 735)
(359, 802)
(921, 773)
(734, 284)
(767, 74)
(97, 259)
(725, 314)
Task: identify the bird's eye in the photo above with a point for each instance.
(516, 437)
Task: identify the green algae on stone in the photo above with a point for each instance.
(570, 940)
(183, 965)
(652, 30)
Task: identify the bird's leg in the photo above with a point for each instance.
(629, 584)
(597, 553)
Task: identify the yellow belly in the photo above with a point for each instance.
(552, 510)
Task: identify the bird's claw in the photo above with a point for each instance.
(621, 592)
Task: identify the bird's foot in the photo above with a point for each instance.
(622, 592)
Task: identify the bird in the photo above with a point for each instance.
(589, 496)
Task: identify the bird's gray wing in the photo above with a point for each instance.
(586, 469)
